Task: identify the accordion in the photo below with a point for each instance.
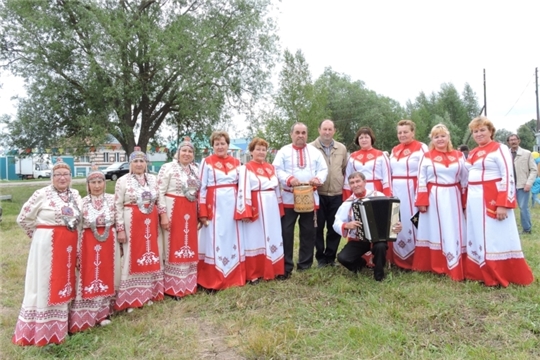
(378, 215)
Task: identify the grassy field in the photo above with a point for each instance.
(318, 314)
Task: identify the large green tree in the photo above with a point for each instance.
(128, 67)
(296, 100)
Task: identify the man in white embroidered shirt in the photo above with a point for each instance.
(296, 164)
(345, 224)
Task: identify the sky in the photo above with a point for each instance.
(400, 48)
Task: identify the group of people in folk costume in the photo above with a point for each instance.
(223, 224)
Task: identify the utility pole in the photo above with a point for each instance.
(537, 107)
(485, 96)
(537, 147)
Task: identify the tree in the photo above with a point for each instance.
(527, 134)
(127, 67)
(352, 106)
(501, 135)
(297, 100)
(447, 107)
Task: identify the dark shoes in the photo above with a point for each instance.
(378, 274)
(323, 264)
(283, 277)
(526, 232)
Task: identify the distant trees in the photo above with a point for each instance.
(526, 133)
(351, 105)
(446, 106)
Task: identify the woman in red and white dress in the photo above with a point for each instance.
(221, 247)
(494, 254)
(373, 163)
(404, 161)
(260, 206)
(442, 184)
(178, 189)
(99, 258)
(51, 219)
(137, 225)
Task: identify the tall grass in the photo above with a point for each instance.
(326, 313)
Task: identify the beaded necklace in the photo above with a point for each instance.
(192, 183)
(97, 217)
(144, 195)
(70, 211)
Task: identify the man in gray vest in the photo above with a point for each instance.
(330, 193)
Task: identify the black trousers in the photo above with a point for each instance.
(351, 256)
(307, 239)
(326, 214)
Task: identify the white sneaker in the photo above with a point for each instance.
(105, 322)
(150, 303)
(129, 310)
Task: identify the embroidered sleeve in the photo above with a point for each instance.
(163, 180)
(203, 175)
(506, 186)
(387, 189)
(342, 217)
(422, 195)
(119, 194)
(30, 210)
(243, 201)
(279, 164)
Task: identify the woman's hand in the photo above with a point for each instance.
(422, 209)
(502, 213)
(165, 225)
(121, 236)
(203, 221)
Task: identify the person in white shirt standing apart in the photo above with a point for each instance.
(525, 173)
(296, 164)
(330, 193)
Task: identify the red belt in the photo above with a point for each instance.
(483, 182)
(48, 226)
(221, 186)
(444, 185)
(404, 177)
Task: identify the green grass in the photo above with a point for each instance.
(325, 313)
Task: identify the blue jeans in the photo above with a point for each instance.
(525, 214)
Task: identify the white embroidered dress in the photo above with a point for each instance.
(99, 264)
(404, 161)
(440, 243)
(142, 271)
(221, 246)
(259, 200)
(494, 254)
(180, 248)
(43, 317)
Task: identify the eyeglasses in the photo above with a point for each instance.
(61, 175)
